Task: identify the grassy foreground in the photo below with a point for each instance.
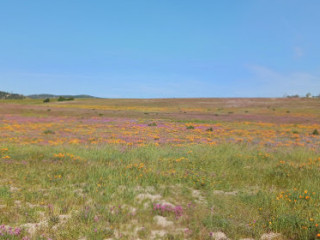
(190, 192)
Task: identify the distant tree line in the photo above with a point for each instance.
(308, 95)
(60, 99)
(6, 95)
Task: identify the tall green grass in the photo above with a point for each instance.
(245, 190)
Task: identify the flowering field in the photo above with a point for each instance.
(160, 169)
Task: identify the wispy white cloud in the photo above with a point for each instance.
(274, 83)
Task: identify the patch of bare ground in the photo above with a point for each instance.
(162, 221)
(199, 198)
(33, 228)
(271, 236)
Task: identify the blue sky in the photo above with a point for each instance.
(167, 48)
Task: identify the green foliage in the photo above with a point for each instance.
(4, 192)
(6, 95)
(315, 132)
(48, 132)
(61, 99)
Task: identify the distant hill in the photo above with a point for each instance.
(6, 95)
(41, 96)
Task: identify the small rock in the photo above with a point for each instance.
(164, 202)
(220, 192)
(13, 189)
(271, 236)
(41, 214)
(137, 229)
(149, 196)
(150, 189)
(122, 188)
(132, 210)
(33, 227)
(218, 236)
(197, 194)
(157, 233)
(162, 221)
(62, 220)
(30, 205)
(17, 203)
(79, 192)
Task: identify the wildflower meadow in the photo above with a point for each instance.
(160, 169)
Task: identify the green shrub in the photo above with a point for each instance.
(61, 99)
(315, 132)
(48, 132)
